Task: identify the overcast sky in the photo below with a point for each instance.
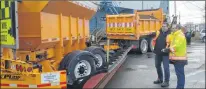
(190, 11)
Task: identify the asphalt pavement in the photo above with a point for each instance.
(138, 71)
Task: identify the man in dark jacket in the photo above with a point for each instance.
(162, 57)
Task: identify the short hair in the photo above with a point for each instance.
(179, 26)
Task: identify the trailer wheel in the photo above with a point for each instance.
(143, 46)
(100, 55)
(150, 47)
(79, 65)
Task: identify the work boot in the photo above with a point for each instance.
(165, 84)
(157, 82)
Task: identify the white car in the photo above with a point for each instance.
(202, 35)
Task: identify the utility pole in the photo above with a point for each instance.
(175, 7)
(142, 5)
(179, 18)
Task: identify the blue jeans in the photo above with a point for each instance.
(158, 60)
(179, 69)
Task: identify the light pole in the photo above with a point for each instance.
(142, 5)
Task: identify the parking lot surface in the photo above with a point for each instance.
(139, 71)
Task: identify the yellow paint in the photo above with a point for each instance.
(43, 30)
(113, 46)
(59, 46)
(141, 26)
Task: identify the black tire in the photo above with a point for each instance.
(150, 47)
(70, 62)
(100, 55)
(142, 43)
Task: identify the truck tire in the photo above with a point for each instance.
(79, 65)
(100, 55)
(143, 46)
(150, 47)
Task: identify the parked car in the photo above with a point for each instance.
(202, 35)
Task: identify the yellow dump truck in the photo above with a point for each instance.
(43, 44)
(134, 29)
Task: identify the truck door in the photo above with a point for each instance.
(8, 24)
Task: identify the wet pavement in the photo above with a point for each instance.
(139, 71)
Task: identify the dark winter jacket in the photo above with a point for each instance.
(161, 43)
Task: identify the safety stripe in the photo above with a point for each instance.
(178, 58)
(127, 24)
(34, 86)
(5, 9)
(2, 4)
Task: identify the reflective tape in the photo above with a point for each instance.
(122, 24)
(34, 86)
(5, 9)
(177, 58)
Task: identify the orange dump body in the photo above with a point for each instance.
(133, 26)
(40, 24)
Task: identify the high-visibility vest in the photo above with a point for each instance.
(178, 46)
(168, 40)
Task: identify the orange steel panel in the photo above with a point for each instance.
(49, 23)
(86, 28)
(80, 28)
(32, 6)
(39, 28)
(65, 27)
(74, 27)
(68, 8)
(156, 13)
(29, 24)
(142, 26)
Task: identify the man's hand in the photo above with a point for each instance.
(166, 50)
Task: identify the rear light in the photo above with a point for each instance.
(17, 67)
(21, 68)
(134, 47)
(29, 69)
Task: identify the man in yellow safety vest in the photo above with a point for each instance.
(177, 53)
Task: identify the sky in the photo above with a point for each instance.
(190, 11)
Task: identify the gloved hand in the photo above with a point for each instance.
(166, 50)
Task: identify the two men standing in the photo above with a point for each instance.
(170, 47)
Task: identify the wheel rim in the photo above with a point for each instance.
(82, 69)
(99, 61)
(144, 46)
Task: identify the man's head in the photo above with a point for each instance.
(165, 27)
(174, 27)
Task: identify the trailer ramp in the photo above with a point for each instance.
(101, 79)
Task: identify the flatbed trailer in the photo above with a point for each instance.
(45, 47)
